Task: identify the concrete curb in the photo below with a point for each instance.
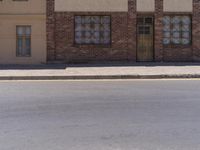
(93, 77)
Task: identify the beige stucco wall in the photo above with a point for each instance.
(13, 13)
(178, 5)
(91, 5)
(21, 7)
(8, 39)
(145, 5)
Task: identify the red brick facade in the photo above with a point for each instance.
(61, 47)
(196, 30)
(158, 31)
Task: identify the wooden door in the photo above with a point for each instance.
(145, 39)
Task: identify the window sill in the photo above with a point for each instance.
(91, 46)
(177, 46)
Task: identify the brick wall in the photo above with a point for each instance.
(50, 31)
(158, 31)
(68, 51)
(196, 30)
(61, 47)
(168, 53)
(177, 54)
(132, 37)
(60, 37)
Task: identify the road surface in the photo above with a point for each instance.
(100, 115)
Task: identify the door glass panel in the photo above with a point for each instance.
(140, 30)
(148, 20)
(147, 30)
(144, 29)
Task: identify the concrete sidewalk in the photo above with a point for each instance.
(100, 71)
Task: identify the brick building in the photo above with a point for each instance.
(133, 30)
(39, 31)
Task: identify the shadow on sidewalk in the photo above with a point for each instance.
(95, 64)
(33, 67)
(134, 64)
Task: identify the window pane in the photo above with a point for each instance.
(78, 27)
(176, 41)
(78, 37)
(166, 20)
(105, 20)
(176, 35)
(86, 27)
(96, 37)
(167, 34)
(186, 28)
(78, 20)
(95, 19)
(140, 30)
(86, 19)
(97, 27)
(176, 20)
(166, 28)
(23, 40)
(19, 46)
(166, 41)
(28, 31)
(185, 41)
(148, 20)
(106, 27)
(186, 35)
(186, 20)
(89, 29)
(28, 46)
(178, 29)
(20, 31)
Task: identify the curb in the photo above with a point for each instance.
(93, 77)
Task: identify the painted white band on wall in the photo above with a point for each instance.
(120, 5)
(178, 5)
(145, 5)
(91, 5)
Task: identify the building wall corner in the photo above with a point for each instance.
(158, 46)
(132, 35)
(196, 30)
(50, 29)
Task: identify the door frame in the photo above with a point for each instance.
(145, 15)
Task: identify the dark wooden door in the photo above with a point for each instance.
(145, 38)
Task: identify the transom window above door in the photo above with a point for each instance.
(94, 30)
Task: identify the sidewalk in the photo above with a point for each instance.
(100, 71)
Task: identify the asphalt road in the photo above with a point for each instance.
(100, 115)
